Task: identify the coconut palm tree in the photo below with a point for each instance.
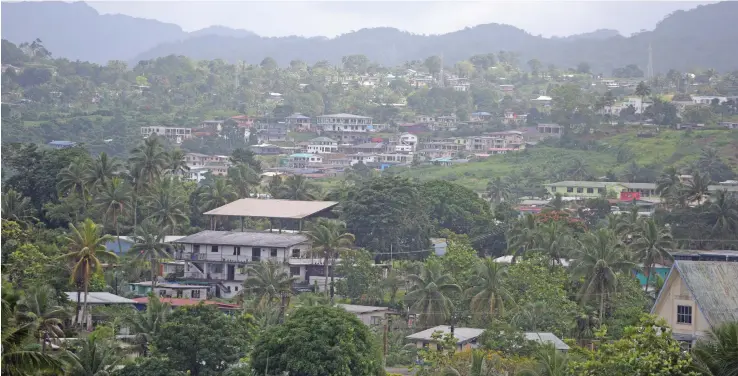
(244, 179)
(216, 193)
(722, 213)
(430, 293)
(597, 263)
(94, 356)
(530, 316)
(39, 305)
(550, 362)
(148, 160)
(176, 163)
(113, 199)
(554, 240)
(709, 162)
(73, 180)
(628, 224)
(521, 236)
(268, 281)
(695, 189)
(150, 246)
(17, 208)
(642, 90)
(102, 170)
(87, 252)
(498, 190)
(651, 244)
(716, 354)
(167, 204)
(393, 283)
(19, 357)
(669, 185)
(147, 323)
(578, 170)
(298, 187)
(329, 240)
(488, 294)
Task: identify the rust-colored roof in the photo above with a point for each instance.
(179, 302)
(269, 208)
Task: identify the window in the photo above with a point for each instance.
(215, 268)
(162, 292)
(600, 190)
(425, 345)
(237, 251)
(580, 190)
(684, 314)
(255, 254)
(273, 252)
(179, 293)
(590, 190)
(196, 248)
(214, 249)
(569, 189)
(376, 320)
(294, 271)
(195, 294)
(296, 253)
(553, 189)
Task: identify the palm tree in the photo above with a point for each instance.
(598, 262)
(167, 205)
(149, 159)
(628, 223)
(176, 163)
(651, 244)
(716, 354)
(695, 190)
(217, 193)
(18, 358)
(268, 281)
(498, 190)
(39, 305)
(94, 356)
(150, 245)
(530, 316)
(550, 362)
(102, 170)
(147, 323)
(709, 162)
(577, 170)
(668, 185)
(521, 236)
(722, 212)
(329, 239)
(488, 295)
(394, 282)
(112, 200)
(557, 203)
(298, 187)
(553, 240)
(430, 294)
(477, 366)
(243, 178)
(87, 251)
(17, 208)
(73, 180)
(642, 90)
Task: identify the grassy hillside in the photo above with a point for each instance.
(676, 148)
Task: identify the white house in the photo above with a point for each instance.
(369, 315)
(303, 160)
(173, 134)
(408, 141)
(321, 145)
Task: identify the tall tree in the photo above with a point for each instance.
(150, 245)
(651, 244)
(102, 170)
(166, 204)
(329, 240)
(498, 190)
(695, 190)
(716, 354)
(430, 294)
(87, 252)
(39, 305)
(488, 293)
(642, 90)
(94, 356)
(17, 358)
(113, 199)
(17, 208)
(176, 162)
(268, 281)
(148, 160)
(244, 179)
(298, 187)
(669, 185)
(597, 264)
(216, 193)
(146, 324)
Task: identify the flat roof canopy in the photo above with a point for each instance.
(269, 208)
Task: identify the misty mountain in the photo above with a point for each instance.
(701, 37)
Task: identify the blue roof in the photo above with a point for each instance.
(442, 159)
(302, 155)
(63, 143)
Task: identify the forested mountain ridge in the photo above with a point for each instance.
(699, 37)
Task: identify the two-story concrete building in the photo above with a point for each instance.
(304, 160)
(174, 134)
(698, 296)
(345, 127)
(321, 145)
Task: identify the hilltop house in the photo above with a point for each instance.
(697, 296)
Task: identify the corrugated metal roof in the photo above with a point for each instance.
(254, 207)
(361, 308)
(99, 298)
(461, 334)
(543, 337)
(714, 286)
(246, 238)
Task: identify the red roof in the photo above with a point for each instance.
(178, 302)
(240, 117)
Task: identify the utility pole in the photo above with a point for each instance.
(384, 357)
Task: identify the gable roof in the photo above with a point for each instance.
(99, 298)
(353, 308)
(714, 286)
(461, 334)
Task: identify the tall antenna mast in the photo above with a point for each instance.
(649, 69)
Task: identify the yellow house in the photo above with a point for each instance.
(594, 189)
(697, 296)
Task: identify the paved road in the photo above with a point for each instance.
(399, 370)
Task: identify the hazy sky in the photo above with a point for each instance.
(280, 18)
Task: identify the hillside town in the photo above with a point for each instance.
(498, 215)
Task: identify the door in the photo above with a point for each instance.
(231, 272)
